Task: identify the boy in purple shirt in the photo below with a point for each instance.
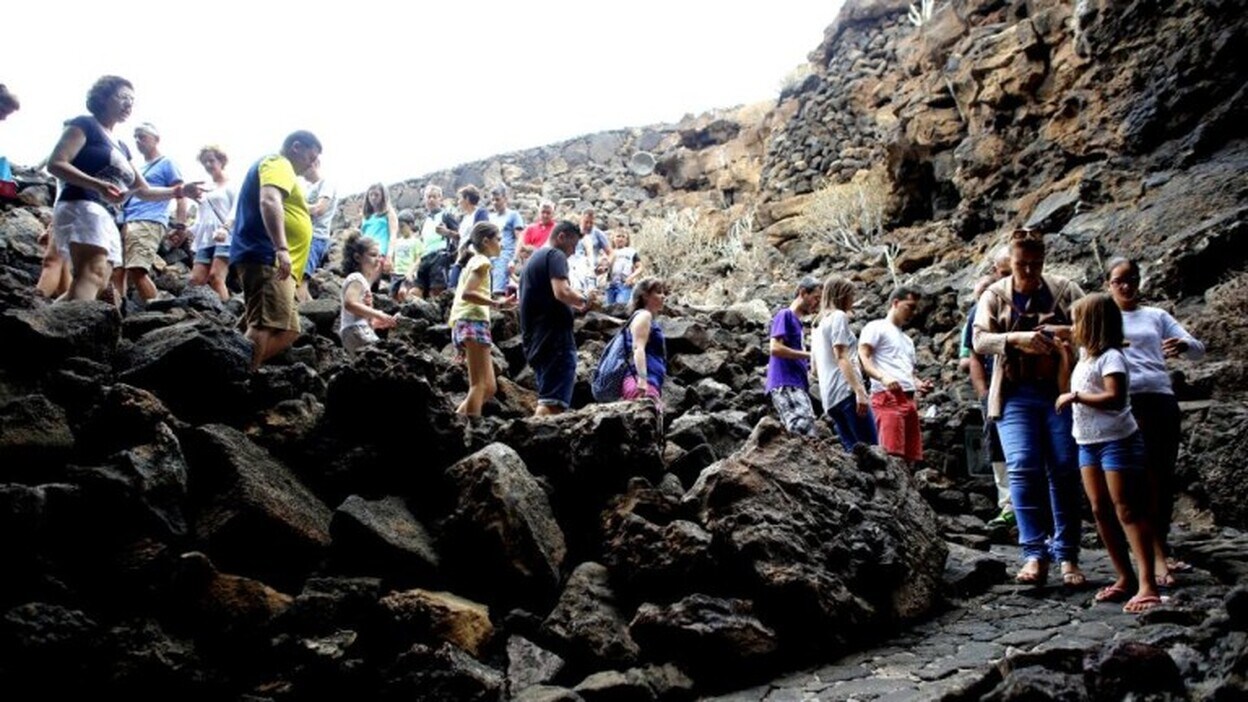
(787, 367)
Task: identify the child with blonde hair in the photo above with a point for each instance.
(1111, 451)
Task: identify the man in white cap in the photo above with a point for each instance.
(147, 221)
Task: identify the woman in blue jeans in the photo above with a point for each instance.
(835, 352)
(1024, 320)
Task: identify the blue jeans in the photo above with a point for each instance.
(498, 270)
(555, 372)
(618, 294)
(316, 254)
(1042, 462)
(851, 428)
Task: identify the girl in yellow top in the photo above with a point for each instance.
(470, 316)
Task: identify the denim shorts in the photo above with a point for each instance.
(556, 377)
(1119, 454)
(206, 254)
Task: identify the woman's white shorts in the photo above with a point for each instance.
(86, 222)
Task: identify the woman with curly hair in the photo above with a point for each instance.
(211, 231)
(96, 177)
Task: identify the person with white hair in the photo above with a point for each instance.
(538, 233)
(147, 222)
(440, 227)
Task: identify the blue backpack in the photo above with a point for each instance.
(606, 380)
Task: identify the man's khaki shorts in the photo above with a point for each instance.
(141, 244)
(268, 302)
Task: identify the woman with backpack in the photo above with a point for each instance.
(649, 350)
(1024, 320)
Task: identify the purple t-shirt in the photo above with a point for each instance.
(786, 372)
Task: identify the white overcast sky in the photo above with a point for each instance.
(394, 89)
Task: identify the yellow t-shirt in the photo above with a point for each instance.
(462, 309)
(276, 170)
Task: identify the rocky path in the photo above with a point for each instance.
(958, 655)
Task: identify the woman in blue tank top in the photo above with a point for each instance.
(381, 222)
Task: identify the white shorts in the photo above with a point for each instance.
(86, 222)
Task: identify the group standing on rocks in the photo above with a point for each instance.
(1035, 346)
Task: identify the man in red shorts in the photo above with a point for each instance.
(888, 360)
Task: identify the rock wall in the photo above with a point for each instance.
(835, 132)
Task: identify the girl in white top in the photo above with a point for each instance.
(835, 354)
(362, 263)
(1111, 452)
(1154, 337)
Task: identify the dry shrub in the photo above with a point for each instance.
(851, 216)
(690, 251)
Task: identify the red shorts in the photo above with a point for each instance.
(897, 423)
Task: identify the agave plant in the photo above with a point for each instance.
(921, 13)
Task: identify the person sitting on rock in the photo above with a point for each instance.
(888, 358)
(361, 261)
(787, 367)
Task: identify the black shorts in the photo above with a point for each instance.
(431, 273)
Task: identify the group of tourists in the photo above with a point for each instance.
(112, 222)
(1074, 389)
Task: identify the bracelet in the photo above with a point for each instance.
(1075, 399)
(283, 248)
(177, 191)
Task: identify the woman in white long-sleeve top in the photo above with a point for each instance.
(1154, 336)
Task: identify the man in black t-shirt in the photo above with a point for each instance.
(547, 301)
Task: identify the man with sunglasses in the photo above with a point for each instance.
(147, 221)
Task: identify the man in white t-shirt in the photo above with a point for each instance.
(322, 199)
(888, 359)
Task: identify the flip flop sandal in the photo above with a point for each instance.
(1142, 603)
(1111, 593)
(1167, 580)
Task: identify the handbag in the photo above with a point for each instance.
(606, 381)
